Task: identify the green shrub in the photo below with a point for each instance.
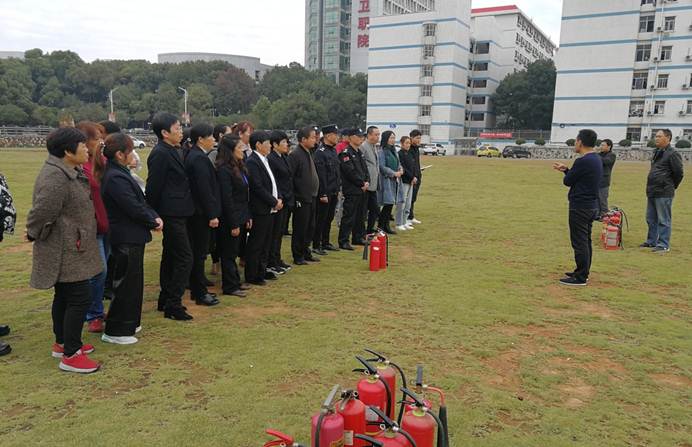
(651, 143)
(625, 143)
(683, 144)
(540, 142)
(520, 141)
(571, 142)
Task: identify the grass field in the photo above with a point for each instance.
(471, 293)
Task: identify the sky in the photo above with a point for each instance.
(129, 29)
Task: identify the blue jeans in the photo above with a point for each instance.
(659, 218)
(98, 282)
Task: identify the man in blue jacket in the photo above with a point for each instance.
(583, 180)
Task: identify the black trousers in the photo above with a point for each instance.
(580, 225)
(353, 219)
(70, 305)
(257, 248)
(414, 197)
(373, 210)
(385, 215)
(229, 246)
(280, 219)
(213, 249)
(198, 232)
(303, 229)
(323, 222)
(125, 312)
(176, 262)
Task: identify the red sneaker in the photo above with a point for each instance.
(96, 326)
(59, 350)
(79, 363)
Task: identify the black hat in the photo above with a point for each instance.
(332, 128)
(354, 131)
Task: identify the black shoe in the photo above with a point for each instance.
(329, 247)
(658, 249)
(645, 245)
(5, 348)
(388, 230)
(271, 276)
(245, 287)
(276, 270)
(319, 251)
(284, 266)
(346, 246)
(572, 282)
(207, 300)
(311, 259)
(162, 307)
(299, 262)
(569, 274)
(239, 293)
(4, 330)
(177, 314)
(258, 282)
(361, 242)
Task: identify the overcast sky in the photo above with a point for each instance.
(129, 29)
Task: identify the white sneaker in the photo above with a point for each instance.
(124, 340)
(401, 228)
(416, 221)
(138, 330)
(408, 222)
(409, 227)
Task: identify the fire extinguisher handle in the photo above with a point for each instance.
(387, 422)
(379, 357)
(371, 369)
(374, 442)
(418, 401)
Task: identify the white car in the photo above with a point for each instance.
(138, 143)
(436, 149)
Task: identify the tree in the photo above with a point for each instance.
(525, 99)
(11, 114)
(234, 91)
(296, 110)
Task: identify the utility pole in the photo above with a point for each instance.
(111, 116)
(186, 116)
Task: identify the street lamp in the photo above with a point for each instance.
(186, 117)
(111, 117)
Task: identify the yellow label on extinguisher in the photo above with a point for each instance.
(339, 443)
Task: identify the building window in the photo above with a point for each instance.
(480, 83)
(480, 66)
(428, 50)
(426, 90)
(482, 48)
(634, 134)
(427, 70)
(643, 52)
(662, 81)
(687, 133)
(477, 116)
(659, 107)
(424, 129)
(478, 100)
(636, 108)
(666, 53)
(639, 80)
(429, 29)
(646, 23)
(648, 2)
(424, 110)
(689, 107)
(669, 24)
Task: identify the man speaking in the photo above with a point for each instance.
(583, 180)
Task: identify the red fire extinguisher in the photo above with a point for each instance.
(328, 425)
(393, 435)
(282, 440)
(374, 392)
(375, 255)
(612, 238)
(353, 412)
(369, 441)
(421, 389)
(388, 371)
(421, 423)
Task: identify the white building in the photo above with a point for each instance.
(417, 71)
(624, 69)
(503, 40)
(250, 65)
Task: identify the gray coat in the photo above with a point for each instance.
(62, 224)
(370, 156)
(389, 191)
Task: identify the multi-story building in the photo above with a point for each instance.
(251, 65)
(328, 36)
(417, 72)
(503, 40)
(624, 69)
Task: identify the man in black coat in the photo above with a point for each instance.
(305, 186)
(415, 154)
(130, 220)
(664, 178)
(168, 192)
(264, 204)
(278, 161)
(205, 191)
(327, 166)
(354, 183)
(608, 159)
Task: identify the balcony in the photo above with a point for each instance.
(424, 120)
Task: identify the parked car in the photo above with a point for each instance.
(434, 150)
(515, 152)
(488, 151)
(138, 143)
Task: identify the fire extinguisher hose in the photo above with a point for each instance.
(442, 414)
(441, 431)
(408, 437)
(389, 394)
(318, 428)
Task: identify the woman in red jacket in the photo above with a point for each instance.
(94, 170)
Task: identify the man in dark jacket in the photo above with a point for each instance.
(583, 180)
(264, 204)
(168, 192)
(131, 220)
(205, 195)
(664, 178)
(305, 187)
(354, 184)
(608, 159)
(327, 166)
(278, 161)
(415, 155)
